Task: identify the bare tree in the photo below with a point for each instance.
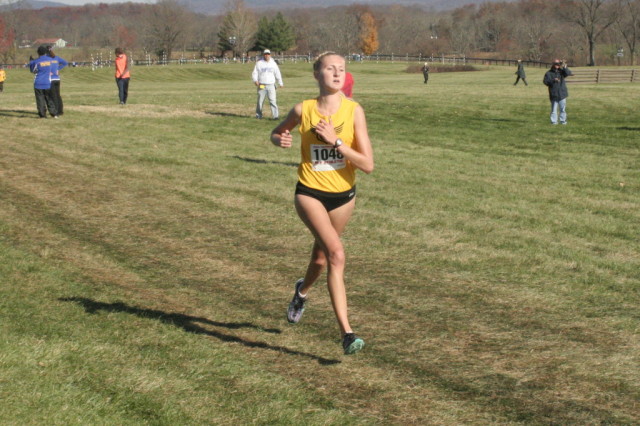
(167, 24)
(492, 26)
(302, 19)
(239, 27)
(338, 31)
(203, 33)
(628, 25)
(535, 28)
(462, 31)
(593, 17)
(406, 30)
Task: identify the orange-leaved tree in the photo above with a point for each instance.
(368, 33)
(7, 48)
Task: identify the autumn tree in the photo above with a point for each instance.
(532, 29)
(8, 20)
(368, 33)
(238, 29)
(7, 46)
(125, 37)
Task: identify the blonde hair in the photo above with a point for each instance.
(320, 57)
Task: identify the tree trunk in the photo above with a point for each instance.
(592, 53)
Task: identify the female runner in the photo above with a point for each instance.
(335, 142)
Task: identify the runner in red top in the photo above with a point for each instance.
(347, 89)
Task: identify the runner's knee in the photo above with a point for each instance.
(318, 258)
(336, 256)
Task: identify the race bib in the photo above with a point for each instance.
(325, 158)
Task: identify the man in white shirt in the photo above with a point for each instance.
(265, 75)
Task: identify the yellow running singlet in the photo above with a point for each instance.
(323, 167)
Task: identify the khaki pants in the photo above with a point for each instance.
(267, 90)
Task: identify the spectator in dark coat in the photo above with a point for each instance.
(425, 72)
(520, 73)
(554, 79)
(57, 63)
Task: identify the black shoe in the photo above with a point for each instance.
(352, 344)
(296, 307)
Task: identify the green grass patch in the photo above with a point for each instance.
(148, 253)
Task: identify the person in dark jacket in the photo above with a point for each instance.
(554, 79)
(520, 73)
(425, 72)
(57, 63)
(41, 67)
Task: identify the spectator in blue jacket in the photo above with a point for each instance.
(554, 79)
(57, 63)
(41, 67)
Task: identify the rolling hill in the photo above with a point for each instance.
(215, 7)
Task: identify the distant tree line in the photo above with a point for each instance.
(581, 31)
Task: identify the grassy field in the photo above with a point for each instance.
(148, 253)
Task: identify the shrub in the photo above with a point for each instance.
(441, 68)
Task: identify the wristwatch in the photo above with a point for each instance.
(338, 143)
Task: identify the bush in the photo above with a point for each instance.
(412, 69)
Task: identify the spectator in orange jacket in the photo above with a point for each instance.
(122, 75)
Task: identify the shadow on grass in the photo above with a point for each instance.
(633, 129)
(226, 114)
(499, 120)
(18, 113)
(190, 324)
(259, 161)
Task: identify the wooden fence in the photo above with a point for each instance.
(591, 76)
(445, 59)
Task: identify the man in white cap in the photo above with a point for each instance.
(265, 75)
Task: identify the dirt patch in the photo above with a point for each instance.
(155, 111)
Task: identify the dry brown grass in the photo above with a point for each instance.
(463, 325)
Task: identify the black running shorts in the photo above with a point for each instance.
(330, 200)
